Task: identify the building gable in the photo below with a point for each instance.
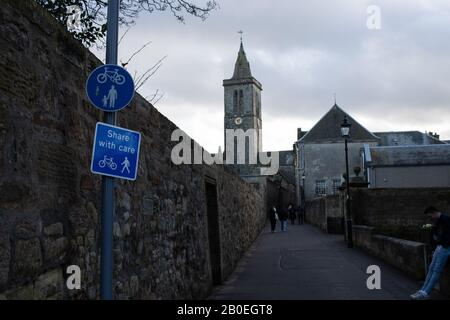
(328, 129)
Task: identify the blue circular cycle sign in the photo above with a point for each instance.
(110, 88)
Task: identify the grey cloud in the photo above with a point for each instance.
(303, 52)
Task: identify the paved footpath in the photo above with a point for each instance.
(306, 263)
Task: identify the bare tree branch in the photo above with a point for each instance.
(154, 98)
(134, 54)
(93, 15)
(157, 100)
(124, 34)
(140, 81)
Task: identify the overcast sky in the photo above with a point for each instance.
(391, 79)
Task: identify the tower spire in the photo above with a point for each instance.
(242, 66)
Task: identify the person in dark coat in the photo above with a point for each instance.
(441, 236)
(283, 219)
(292, 214)
(273, 217)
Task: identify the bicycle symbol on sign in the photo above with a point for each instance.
(114, 76)
(107, 162)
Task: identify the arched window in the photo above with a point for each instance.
(235, 102)
(241, 102)
(258, 105)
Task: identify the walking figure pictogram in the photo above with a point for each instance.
(126, 165)
(112, 97)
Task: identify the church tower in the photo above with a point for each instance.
(243, 107)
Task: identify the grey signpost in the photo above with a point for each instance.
(108, 182)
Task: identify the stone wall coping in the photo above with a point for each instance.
(328, 197)
(360, 226)
(408, 190)
(400, 241)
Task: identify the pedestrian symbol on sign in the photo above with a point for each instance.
(112, 97)
(114, 146)
(126, 165)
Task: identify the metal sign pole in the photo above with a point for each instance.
(107, 265)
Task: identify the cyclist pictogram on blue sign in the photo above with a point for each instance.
(110, 88)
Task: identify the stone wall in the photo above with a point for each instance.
(398, 212)
(387, 223)
(315, 213)
(409, 256)
(325, 213)
(278, 191)
(50, 201)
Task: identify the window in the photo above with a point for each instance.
(335, 186)
(241, 102)
(258, 105)
(235, 102)
(321, 188)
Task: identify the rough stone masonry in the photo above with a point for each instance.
(50, 201)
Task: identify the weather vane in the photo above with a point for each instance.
(241, 33)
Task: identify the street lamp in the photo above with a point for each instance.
(345, 131)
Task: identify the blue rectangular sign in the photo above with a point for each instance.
(115, 152)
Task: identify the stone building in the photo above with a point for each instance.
(243, 111)
(426, 166)
(242, 104)
(393, 156)
(321, 155)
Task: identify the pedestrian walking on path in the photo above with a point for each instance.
(273, 217)
(441, 235)
(292, 214)
(283, 219)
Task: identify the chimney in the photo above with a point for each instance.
(300, 133)
(434, 135)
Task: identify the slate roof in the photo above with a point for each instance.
(406, 138)
(242, 66)
(328, 129)
(242, 73)
(438, 154)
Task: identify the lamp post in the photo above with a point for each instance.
(345, 130)
(297, 172)
(107, 216)
(303, 204)
(303, 185)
